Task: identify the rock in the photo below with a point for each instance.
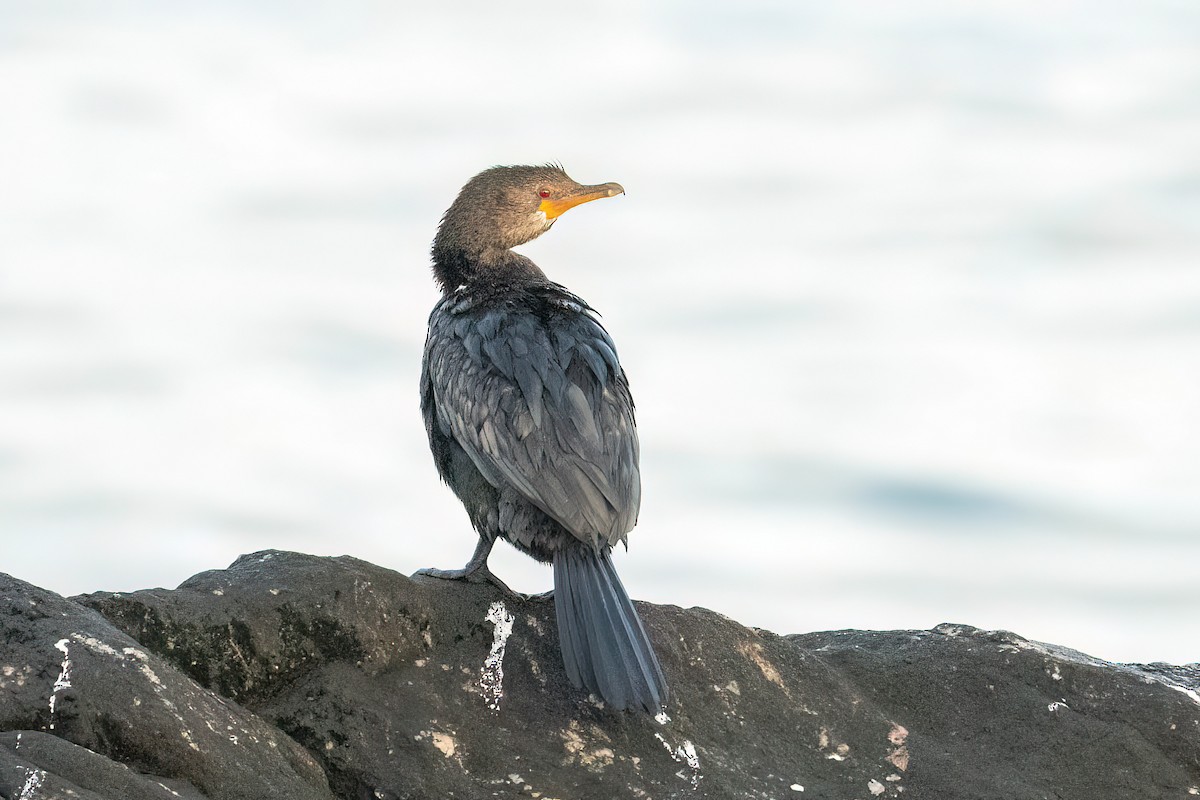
(67, 671)
(31, 760)
(403, 688)
(382, 678)
(989, 714)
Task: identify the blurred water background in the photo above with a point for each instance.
(909, 294)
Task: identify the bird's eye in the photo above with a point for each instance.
(544, 193)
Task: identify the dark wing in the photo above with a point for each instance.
(541, 405)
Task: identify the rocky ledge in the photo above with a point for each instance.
(291, 676)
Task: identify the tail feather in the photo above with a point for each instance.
(610, 645)
(604, 645)
(636, 641)
(569, 604)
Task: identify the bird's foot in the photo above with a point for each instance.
(465, 574)
(471, 575)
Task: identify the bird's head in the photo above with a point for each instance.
(503, 207)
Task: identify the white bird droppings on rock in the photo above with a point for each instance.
(34, 779)
(685, 753)
(63, 681)
(143, 665)
(491, 676)
(795, 787)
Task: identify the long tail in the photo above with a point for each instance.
(604, 646)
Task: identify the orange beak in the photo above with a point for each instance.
(553, 207)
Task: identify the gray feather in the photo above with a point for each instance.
(543, 409)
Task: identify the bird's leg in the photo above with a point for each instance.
(475, 571)
(478, 562)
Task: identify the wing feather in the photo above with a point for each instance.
(543, 407)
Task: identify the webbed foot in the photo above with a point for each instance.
(476, 570)
(464, 574)
(471, 574)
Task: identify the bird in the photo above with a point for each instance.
(531, 422)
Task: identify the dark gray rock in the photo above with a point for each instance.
(39, 765)
(393, 685)
(382, 678)
(993, 715)
(386, 680)
(66, 671)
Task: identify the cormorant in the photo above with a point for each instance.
(531, 422)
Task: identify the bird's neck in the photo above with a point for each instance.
(456, 267)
